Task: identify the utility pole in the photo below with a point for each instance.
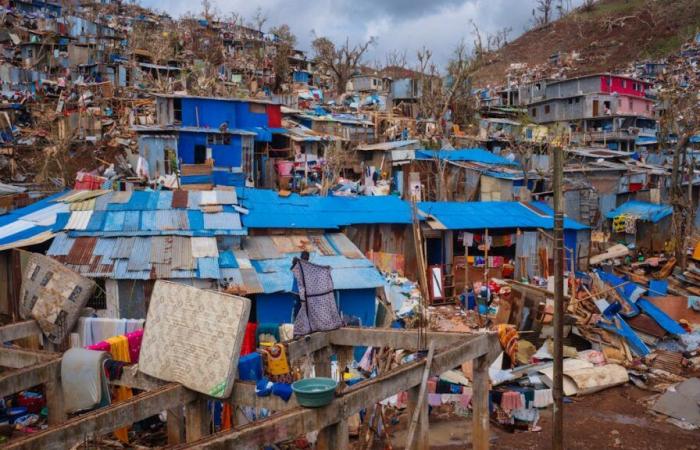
(558, 429)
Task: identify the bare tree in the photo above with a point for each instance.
(542, 14)
(682, 120)
(259, 19)
(285, 40)
(340, 61)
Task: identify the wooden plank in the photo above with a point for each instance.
(19, 330)
(17, 358)
(480, 403)
(196, 419)
(420, 405)
(243, 393)
(176, 426)
(27, 377)
(306, 345)
(334, 437)
(298, 421)
(54, 398)
(392, 338)
(105, 420)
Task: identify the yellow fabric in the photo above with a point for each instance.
(696, 252)
(119, 348)
(278, 365)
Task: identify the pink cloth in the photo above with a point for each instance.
(134, 339)
(434, 399)
(100, 346)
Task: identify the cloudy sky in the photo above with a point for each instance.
(404, 25)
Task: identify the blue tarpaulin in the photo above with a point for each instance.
(649, 212)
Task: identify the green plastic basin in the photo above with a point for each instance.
(314, 392)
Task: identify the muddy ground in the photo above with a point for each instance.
(613, 419)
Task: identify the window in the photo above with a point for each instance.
(578, 100)
(630, 104)
(257, 108)
(177, 109)
(170, 161)
(571, 101)
(534, 112)
(546, 109)
(218, 139)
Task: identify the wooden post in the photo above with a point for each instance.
(197, 419)
(54, 399)
(486, 256)
(480, 403)
(322, 362)
(176, 426)
(334, 437)
(422, 399)
(420, 441)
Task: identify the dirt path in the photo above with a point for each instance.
(612, 419)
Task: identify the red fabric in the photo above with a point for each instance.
(249, 339)
(634, 187)
(274, 116)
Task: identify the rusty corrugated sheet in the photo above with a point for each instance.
(161, 250)
(81, 252)
(182, 254)
(180, 199)
(251, 282)
(123, 247)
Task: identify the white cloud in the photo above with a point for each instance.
(405, 25)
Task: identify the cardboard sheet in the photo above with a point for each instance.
(194, 337)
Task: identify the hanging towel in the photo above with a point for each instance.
(543, 398)
(286, 332)
(318, 311)
(134, 340)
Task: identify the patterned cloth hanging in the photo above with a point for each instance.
(318, 310)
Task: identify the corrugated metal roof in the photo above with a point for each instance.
(226, 197)
(207, 198)
(85, 205)
(180, 199)
(123, 247)
(478, 155)
(344, 245)
(165, 200)
(114, 220)
(268, 210)
(227, 260)
(140, 256)
(61, 245)
(204, 247)
(161, 250)
(82, 250)
(208, 268)
(132, 221)
(194, 199)
(120, 197)
(492, 215)
(222, 221)
(649, 212)
(80, 195)
(182, 254)
(105, 248)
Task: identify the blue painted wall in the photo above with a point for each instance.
(213, 112)
(278, 307)
(224, 155)
(360, 303)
